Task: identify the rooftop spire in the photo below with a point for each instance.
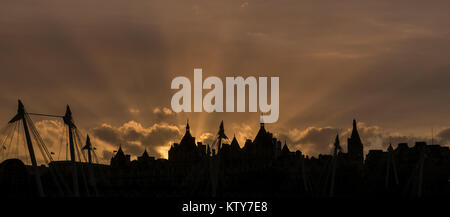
(285, 148)
(221, 133)
(355, 134)
(234, 143)
(337, 145)
(187, 138)
(119, 152)
(355, 147)
(390, 148)
(145, 154)
(187, 126)
(261, 123)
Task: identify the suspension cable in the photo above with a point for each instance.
(18, 140)
(42, 147)
(79, 145)
(46, 115)
(61, 142)
(25, 146)
(95, 155)
(8, 148)
(7, 132)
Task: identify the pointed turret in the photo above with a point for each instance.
(337, 145)
(120, 160)
(285, 149)
(234, 143)
(390, 148)
(261, 132)
(145, 157)
(186, 151)
(355, 146)
(337, 142)
(120, 151)
(261, 125)
(355, 134)
(145, 154)
(187, 138)
(187, 126)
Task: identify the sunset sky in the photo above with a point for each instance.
(385, 63)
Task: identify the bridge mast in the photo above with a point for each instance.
(68, 120)
(336, 150)
(88, 147)
(21, 115)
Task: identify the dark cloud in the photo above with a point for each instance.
(444, 136)
(207, 138)
(313, 140)
(108, 134)
(107, 155)
(318, 135)
(134, 149)
(160, 135)
(164, 114)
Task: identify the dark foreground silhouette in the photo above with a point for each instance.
(262, 168)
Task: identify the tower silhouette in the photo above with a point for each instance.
(355, 146)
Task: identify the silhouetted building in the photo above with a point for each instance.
(285, 151)
(263, 167)
(120, 160)
(187, 152)
(15, 180)
(145, 157)
(355, 146)
(235, 145)
(263, 149)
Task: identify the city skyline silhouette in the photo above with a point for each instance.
(262, 167)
